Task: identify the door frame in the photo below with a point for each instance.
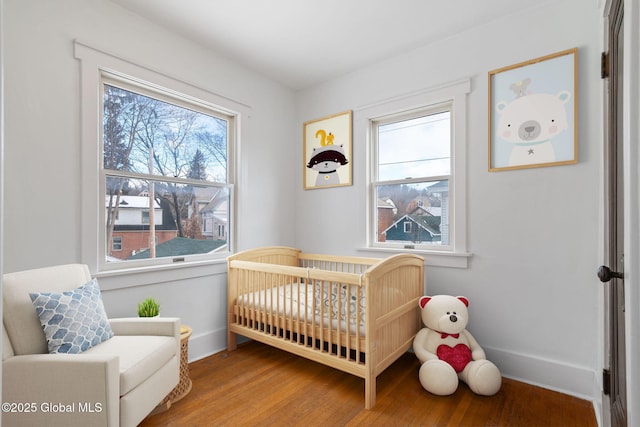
(614, 383)
(630, 141)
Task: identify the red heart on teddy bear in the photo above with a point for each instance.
(457, 356)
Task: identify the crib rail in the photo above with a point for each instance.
(314, 308)
(356, 265)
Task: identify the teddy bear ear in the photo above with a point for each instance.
(464, 300)
(423, 301)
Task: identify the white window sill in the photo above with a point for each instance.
(431, 258)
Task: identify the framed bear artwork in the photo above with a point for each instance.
(533, 113)
(327, 151)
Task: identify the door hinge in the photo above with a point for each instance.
(606, 382)
(604, 65)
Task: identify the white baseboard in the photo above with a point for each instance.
(206, 344)
(578, 381)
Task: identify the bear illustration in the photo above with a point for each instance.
(530, 122)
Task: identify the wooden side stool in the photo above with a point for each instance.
(184, 384)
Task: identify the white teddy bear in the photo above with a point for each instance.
(448, 352)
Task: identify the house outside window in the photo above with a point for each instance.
(416, 171)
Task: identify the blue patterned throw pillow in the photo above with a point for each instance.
(73, 321)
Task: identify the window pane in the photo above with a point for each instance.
(149, 136)
(413, 213)
(154, 219)
(415, 148)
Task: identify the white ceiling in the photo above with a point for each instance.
(304, 42)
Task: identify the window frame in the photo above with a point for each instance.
(407, 226)
(96, 65)
(180, 100)
(454, 95)
(376, 182)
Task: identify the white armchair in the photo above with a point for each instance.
(115, 383)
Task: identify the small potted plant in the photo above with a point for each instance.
(148, 308)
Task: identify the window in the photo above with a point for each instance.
(116, 243)
(165, 172)
(158, 167)
(412, 172)
(417, 173)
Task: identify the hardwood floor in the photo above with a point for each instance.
(260, 385)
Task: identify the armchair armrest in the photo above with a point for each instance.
(61, 389)
(165, 326)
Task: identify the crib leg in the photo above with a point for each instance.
(369, 392)
(232, 341)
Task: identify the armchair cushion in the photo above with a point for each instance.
(140, 357)
(73, 321)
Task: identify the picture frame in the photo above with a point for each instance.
(533, 113)
(327, 151)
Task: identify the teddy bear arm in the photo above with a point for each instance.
(477, 353)
(424, 355)
(420, 346)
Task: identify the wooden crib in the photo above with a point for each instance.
(351, 313)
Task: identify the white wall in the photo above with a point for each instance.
(43, 145)
(534, 234)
